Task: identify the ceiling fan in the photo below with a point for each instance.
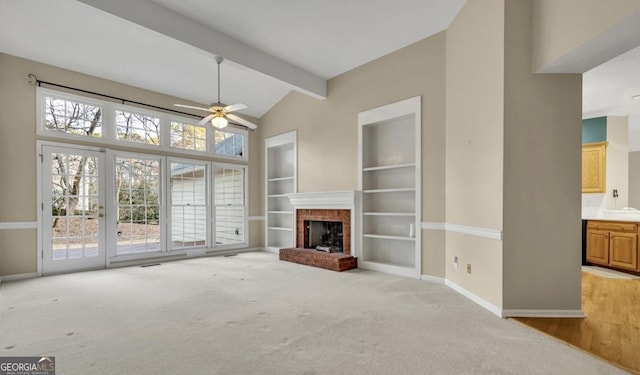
(219, 113)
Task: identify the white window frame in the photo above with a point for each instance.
(245, 241)
(185, 121)
(112, 203)
(123, 142)
(41, 109)
(209, 206)
(229, 129)
(109, 128)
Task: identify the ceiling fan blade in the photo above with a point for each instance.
(235, 107)
(192, 107)
(241, 121)
(207, 119)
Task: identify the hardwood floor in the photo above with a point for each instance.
(611, 330)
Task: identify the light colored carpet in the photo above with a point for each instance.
(252, 314)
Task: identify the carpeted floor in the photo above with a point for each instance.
(252, 314)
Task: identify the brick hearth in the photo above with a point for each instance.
(311, 257)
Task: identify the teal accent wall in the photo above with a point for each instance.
(594, 130)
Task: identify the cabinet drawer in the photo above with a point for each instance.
(613, 226)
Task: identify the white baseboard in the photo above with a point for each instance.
(543, 314)
(482, 302)
(433, 279)
(19, 276)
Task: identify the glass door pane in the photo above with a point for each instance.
(73, 218)
(137, 190)
(188, 204)
(230, 205)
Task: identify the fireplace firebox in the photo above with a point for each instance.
(324, 236)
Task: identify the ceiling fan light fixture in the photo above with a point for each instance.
(219, 122)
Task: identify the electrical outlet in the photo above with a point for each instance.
(468, 268)
(455, 262)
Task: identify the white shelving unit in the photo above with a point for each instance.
(281, 174)
(389, 158)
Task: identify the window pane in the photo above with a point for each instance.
(188, 137)
(229, 144)
(135, 127)
(188, 205)
(137, 184)
(230, 209)
(72, 117)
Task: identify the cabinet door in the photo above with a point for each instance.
(623, 250)
(598, 247)
(594, 167)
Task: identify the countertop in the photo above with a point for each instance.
(615, 215)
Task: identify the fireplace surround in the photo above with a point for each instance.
(328, 207)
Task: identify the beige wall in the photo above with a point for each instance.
(617, 162)
(474, 143)
(328, 132)
(542, 177)
(18, 153)
(634, 179)
(561, 26)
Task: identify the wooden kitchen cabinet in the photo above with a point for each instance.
(613, 244)
(623, 250)
(598, 247)
(594, 171)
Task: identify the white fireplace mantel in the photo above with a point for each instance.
(348, 200)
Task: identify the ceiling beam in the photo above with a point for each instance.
(154, 16)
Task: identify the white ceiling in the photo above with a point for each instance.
(607, 90)
(271, 46)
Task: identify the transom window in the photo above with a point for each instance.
(188, 137)
(69, 116)
(229, 143)
(72, 117)
(136, 127)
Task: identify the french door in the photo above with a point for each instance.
(73, 214)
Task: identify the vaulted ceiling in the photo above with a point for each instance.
(271, 46)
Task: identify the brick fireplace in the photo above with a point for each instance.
(327, 215)
(327, 207)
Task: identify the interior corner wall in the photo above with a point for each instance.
(634, 179)
(474, 146)
(542, 177)
(617, 169)
(328, 129)
(18, 153)
(256, 182)
(560, 26)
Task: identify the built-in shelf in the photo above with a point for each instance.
(389, 213)
(385, 237)
(280, 181)
(390, 178)
(397, 190)
(386, 167)
(280, 228)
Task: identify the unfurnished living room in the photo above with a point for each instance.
(319, 187)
